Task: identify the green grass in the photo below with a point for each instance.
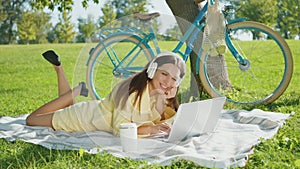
(27, 81)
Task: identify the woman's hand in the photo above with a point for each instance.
(171, 93)
(158, 129)
(160, 98)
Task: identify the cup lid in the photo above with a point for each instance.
(127, 125)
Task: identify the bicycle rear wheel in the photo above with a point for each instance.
(263, 79)
(115, 58)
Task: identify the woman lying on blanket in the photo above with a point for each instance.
(147, 99)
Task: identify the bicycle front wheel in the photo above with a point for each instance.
(264, 77)
(113, 59)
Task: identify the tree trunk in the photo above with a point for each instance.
(185, 13)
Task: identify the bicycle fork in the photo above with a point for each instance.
(244, 64)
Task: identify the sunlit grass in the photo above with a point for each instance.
(28, 81)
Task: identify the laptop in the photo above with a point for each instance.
(196, 118)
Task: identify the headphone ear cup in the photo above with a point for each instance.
(151, 70)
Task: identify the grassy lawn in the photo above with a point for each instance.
(27, 81)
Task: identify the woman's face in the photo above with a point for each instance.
(165, 77)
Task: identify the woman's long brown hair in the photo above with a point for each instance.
(138, 82)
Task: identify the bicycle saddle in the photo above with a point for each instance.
(146, 17)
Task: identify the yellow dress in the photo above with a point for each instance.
(104, 115)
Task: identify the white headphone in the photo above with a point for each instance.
(153, 67)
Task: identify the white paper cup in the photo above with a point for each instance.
(128, 136)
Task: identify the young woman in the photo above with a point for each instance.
(147, 99)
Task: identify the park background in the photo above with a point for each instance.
(27, 81)
(39, 21)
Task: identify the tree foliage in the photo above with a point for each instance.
(10, 13)
(42, 25)
(33, 26)
(109, 15)
(26, 27)
(124, 8)
(64, 5)
(3, 14)
(258, 10)
(288, 21)
(282, 15)
(65, 29)
(128, 7)
(86, 28)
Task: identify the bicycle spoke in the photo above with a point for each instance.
(105, 65)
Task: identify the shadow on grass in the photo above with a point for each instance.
(5, 91)
(290, 102)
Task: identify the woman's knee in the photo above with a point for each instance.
(39, 120)
(29, 120)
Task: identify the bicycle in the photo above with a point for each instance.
(255, 77)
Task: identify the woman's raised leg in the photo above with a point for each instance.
(62, 82)
(43, 115)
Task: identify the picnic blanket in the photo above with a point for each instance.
(228, 146)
